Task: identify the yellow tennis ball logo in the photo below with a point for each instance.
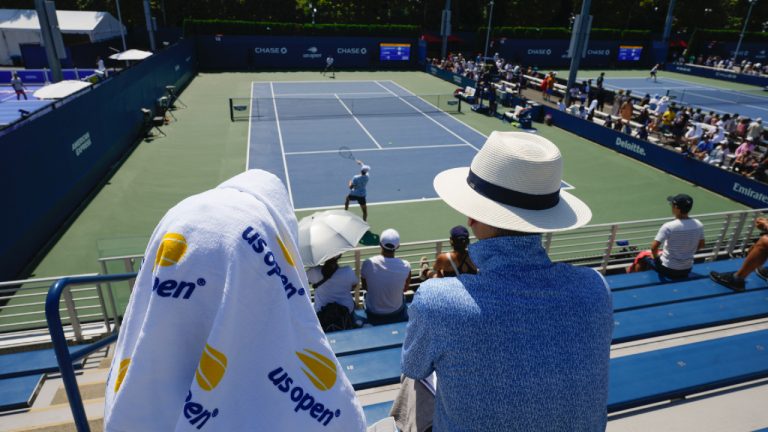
(319, 369)
(210, 371)
(286, 254)
(171, 250)
(122, 370)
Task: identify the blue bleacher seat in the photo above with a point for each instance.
(367, 338)
(689, 315)
(688, 289)
(20, 392)
(700, 271)
(376, 412)
(33, 362)
(635, 380)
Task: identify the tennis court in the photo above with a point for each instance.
(10, 107)
(751, 103)
(297, 129)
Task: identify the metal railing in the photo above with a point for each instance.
(63, 357)
(23, 300)
(605, 247)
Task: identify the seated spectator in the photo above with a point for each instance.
(694, 135)
(755, 130)
(645, 100)
(644, 117)
(717, 155)
(741, 128)
(385, 279)
(754, 261)
(333, 299)
(626, 109)
(561, 105)
(680, 238)
(745, 147)
(591, 109)
(702, 149)
(760, 171)
(456, 262)
(666, 121)
(642, 132)
(608, 122)
(745, 162)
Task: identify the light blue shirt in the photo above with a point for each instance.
(359, 182)
(523, 345)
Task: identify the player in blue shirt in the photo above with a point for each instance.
(357, 189)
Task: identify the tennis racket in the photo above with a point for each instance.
(346, 153)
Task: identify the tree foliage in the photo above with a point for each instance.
(467, 15)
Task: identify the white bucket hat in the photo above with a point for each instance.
(514, 183)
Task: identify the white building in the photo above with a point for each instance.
(22, 27)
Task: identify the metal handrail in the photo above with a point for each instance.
(63, 357)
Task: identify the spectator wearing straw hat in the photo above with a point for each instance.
(385, 279)
(515, 346)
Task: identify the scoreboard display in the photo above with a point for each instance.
(394, 52)
(630, 52)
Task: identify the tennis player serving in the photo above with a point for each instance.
(357, 189)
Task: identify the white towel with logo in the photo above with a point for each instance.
(219, 334)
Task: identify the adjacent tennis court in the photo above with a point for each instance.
(297, 129)
(752, 103)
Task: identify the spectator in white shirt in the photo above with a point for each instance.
(386, 278)
(680, 238)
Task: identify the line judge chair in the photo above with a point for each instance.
(152, 122)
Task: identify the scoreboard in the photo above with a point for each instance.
(630, 52)
(394, 52)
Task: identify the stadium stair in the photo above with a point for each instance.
(635, 380)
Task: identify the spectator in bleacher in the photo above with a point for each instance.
(574, 93)
(642, 132)
(680, 239)
(18, 86)
(385, 279)
(745, 162)
(608, 122)
(457, 261)
(561, 104)
(600, 97)
(547, 85)
(754, 261)
(755, 130)
(645, 100)
(525, 343)
(717, 155)
(741, 128)
(747, 146)
(101, 68)
(729, 123)
(618, 99)
(591, 109)
(702, 149)
(697, 116)
(662, 106)
(626, 109)
(644, 117)
(333, 286)
(760, 170)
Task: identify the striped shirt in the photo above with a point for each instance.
(680, 240)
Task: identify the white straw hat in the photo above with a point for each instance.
(514, 183)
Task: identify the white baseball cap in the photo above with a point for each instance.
(365, 168)
(389, 239)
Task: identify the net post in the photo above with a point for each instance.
(231, 111)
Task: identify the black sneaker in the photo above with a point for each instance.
(763, 273)
(728, 280)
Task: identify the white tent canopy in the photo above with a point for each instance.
(60, 89)
(19, 26)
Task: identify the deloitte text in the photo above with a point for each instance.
(304, 401)
(748, 191)
(259, 245)
(627, 145)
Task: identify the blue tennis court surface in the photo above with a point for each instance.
(752, 104)
(297, 129)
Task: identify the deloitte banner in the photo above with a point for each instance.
(554, 53)
(720, 74)
(272, 52)
(726, 183)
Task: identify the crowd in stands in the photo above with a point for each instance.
(744, 66)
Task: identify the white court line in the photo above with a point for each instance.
(324, 81)
(369, 204)
(358, 121)
(250, 124)
(282, 147)
(279, 95)
(450, 117)
(376, 149)
(425, 115)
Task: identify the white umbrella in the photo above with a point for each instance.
(60, 89)
(324, 235)
(131, 55)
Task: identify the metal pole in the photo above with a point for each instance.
(581, 35)
(122, 27)
(488, 31)
(150, 29)
(743, 29)
(446, 28)
(48, 42)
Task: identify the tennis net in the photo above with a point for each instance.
(707, 97)
(325, 106)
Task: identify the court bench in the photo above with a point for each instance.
(640, 313)
(634, 380)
